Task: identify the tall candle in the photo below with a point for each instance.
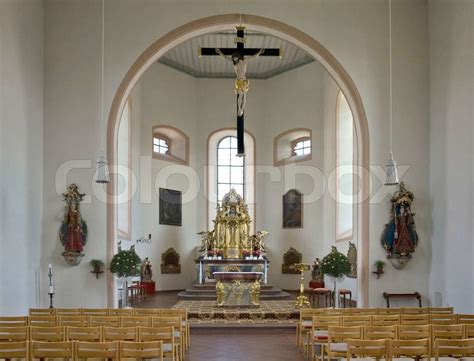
(51, 289)
(50, 268)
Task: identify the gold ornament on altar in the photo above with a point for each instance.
(230, 238)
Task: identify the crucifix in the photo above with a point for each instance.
(239, 57)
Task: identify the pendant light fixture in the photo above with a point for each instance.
(102, 170)
(391, 171)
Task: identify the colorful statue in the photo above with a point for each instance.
(146, 273)
(399, 237)
(316, 273)
(73, 231)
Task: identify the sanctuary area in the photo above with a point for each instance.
(247, 180)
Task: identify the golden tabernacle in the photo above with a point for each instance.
(230, 238)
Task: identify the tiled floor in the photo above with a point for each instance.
(244, 347)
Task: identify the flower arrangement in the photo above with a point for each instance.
(211, 253)
(246, 253)
(126, 263)
(335, 264)
(256, 253)
(220, 252)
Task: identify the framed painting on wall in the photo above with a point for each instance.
(170, 207)
(293, 209)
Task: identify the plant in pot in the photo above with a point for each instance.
(124, 264)
(379, 265)
(337, 266)
(97, 266)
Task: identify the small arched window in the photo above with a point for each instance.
(301, 146)
(230, 168)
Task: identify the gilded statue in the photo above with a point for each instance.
(73, 231)
(220, 292)
(255, 293)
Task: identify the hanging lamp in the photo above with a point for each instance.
(391, 170)
(102, 170)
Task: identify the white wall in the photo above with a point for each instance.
(452, 152)
(21, 159)
(356, 35)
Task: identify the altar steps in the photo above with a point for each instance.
(208, 292)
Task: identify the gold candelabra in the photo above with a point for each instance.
(302, 300)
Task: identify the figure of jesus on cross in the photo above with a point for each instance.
(240, 57)
(239, 62)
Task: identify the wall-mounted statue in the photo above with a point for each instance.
(290, 259)
(352, 257)
(170, 261)
(73, 231)
(399, 237)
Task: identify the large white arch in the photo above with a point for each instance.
(306, 42)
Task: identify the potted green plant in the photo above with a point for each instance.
(124, 264)
(379, 265)
(97, 266)
(337, 266)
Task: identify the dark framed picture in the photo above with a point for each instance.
(293, 209)
(170, 207)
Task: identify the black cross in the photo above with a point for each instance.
(240, 49)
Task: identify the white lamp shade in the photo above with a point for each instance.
(391, 172)
(102, 171)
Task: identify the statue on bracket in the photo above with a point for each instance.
(352, 257)
(399, 237)
(73, 231)
(146, 274)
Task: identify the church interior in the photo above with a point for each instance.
(252, 180)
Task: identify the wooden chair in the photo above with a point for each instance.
(414, 310)
(119, 333)
(338, 311)
(13, 321)
(164, 312)
(415, 349)
(305, 323)
(386, 320)
(165, 335)
(469, 331)
(453, 348)
(89, 334)
(42, 312)
(446, 332)
(42, 350)
(375, 349)
(129, 321)
(364, 311)
(337, 340)
(443, 319)
(319, 333)
(48, 334)
(357, 320)
(14, 350)
(465, 319)
(147, 312)
(120, 311)
(141, 350)
(94, 312)
(111, 321)
(389, 311)
(414, 332)
(77, 321)
(87, 350)
(68, 311)
(43, 321)
(14, 334)
(380, 332)
(179, 333)
(414, 319)
(438, 310)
